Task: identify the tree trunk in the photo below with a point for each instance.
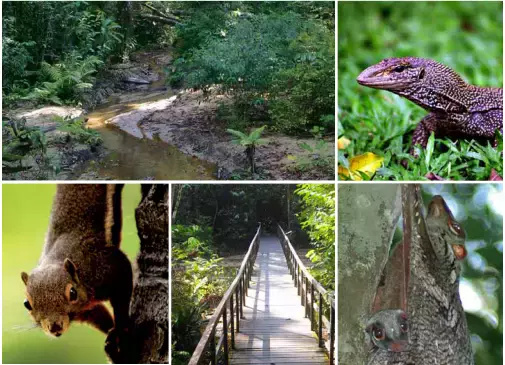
(177, 200)
(367, 217)
(149, 307)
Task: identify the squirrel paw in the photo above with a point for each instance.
(118, 346)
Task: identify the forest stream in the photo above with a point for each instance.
(135, 154)
(150, 131)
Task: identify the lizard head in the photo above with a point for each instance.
(446, 234)
(388, 330)
(394, 74)
(54, 295)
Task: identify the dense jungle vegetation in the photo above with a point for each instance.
(212, 224)
(279, 55)
(275, 61)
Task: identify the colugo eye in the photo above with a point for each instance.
(73, 295)
(27, 304)
(455, 228)
(378, 333)
(404, 327)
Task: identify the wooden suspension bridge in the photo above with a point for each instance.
(273, 313)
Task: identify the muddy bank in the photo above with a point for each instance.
(188, 121)
(49, 150)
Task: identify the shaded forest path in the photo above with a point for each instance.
(275, 329)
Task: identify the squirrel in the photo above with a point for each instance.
(81, 264)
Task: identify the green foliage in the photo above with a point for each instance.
(304, 95)
(381, 122)
(198, 278)
(21, 141)
(320, 156)
(191, 241)
(15, 54)
(63, 82)
(275, 54)
(54, 48)
(317, 218)
(76, 129)
(250, 141)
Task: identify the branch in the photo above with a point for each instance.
(162, 17)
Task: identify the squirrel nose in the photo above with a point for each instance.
(55, 329)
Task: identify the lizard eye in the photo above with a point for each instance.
(399, 68)
(73, 295)
(27, 305)
(379, 334)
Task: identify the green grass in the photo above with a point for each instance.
(467, 36)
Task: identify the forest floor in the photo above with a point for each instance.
(150, 132)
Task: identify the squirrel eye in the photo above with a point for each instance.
(27, 305)
(404, 327)
(73, 295)
(378, 333)
(399, 68)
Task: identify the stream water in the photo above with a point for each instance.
(132, 158)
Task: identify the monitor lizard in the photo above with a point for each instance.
(456, 108)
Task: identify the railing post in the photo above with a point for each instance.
(302, 297)
(232, 324)
(298, 279)
(312, 299)
(332, 335)
(242, 296)
(320, 327)
(306, 297)
(237, 305)
(225, 335)
(213, 348)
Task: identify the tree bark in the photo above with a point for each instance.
(177, 200)
(367, 218)
(149, 307)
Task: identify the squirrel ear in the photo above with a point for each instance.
(24, 277)
(72, 270)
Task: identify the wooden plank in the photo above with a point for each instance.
(275, 329)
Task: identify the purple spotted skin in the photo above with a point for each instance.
(456, 108)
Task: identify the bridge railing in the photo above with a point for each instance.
(316, 299)
(226, 318)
